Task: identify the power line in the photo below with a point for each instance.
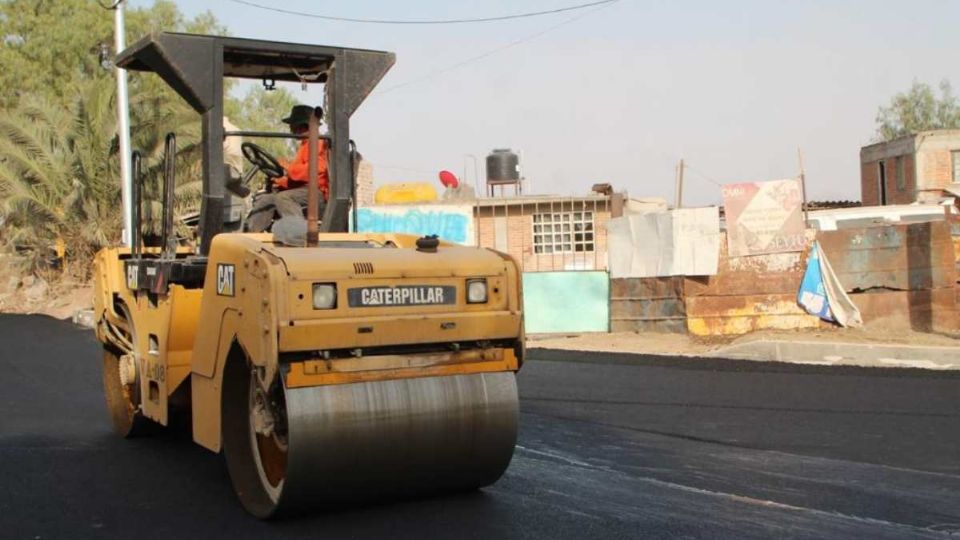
(491, 52)
(701, 175)
(424, 21)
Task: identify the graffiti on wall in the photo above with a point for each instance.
(453, 223)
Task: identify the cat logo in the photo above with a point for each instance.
(225, 279)
(133, 273)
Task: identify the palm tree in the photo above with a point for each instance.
(154, 116)
(56, 181)
(59, 172)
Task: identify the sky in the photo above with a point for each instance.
(622, 92)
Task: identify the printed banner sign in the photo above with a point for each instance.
(764, 217)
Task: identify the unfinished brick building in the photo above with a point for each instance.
(914, 168)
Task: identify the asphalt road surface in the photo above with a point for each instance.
(611, 446)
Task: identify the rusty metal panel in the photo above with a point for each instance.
(733, 315)
(776, 273)
(903, 257)
(932, 310)
(647, 305)
(646, 287)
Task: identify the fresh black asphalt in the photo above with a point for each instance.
(611, 446)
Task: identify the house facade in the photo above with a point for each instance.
(547, 233)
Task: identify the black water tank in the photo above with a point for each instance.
(503, 167)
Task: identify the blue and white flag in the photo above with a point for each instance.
(821, 293)
(812, 296)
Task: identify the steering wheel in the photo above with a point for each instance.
(262, 160)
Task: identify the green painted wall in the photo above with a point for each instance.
(560, 302)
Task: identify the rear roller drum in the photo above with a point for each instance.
(299, 448)
(122, 390)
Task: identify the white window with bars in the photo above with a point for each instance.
(563, 232)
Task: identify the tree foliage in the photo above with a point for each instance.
(59, 163)
(918, 109)
(50, 45)
(54, 182)
(261, 110)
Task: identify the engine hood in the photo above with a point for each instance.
(388, 262)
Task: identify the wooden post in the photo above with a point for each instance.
(678, 202)
(803, 187)
(313, 190)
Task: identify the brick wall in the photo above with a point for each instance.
(901, 192)
(897, 192)
(910, 165)
(937, 168)
(869, 189)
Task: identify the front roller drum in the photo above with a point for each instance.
(365, 441)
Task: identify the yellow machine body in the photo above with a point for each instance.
(263, 310)
(401, 386)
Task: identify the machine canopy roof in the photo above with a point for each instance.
(189, 62)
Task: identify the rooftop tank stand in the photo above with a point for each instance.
(503, 169)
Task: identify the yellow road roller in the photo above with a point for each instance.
(327, 366)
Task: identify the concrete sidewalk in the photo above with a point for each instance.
(867, 348)
(843, 354)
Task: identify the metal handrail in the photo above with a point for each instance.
(136, 192)
(169, 248)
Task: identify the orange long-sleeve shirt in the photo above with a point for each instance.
(298, 168)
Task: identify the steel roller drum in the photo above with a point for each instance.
(386, 439)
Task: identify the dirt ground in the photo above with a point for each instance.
(681, 344)
(49, 293)
(60, 300)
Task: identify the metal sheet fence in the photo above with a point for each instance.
(902, 275)
(899, 257)
(647, 305)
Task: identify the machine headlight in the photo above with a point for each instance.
(324, 295)
(476, 291)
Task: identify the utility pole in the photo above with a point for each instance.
(803, 186)
(678, 201)
(123, 126)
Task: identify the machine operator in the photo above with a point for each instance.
(289, 195)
